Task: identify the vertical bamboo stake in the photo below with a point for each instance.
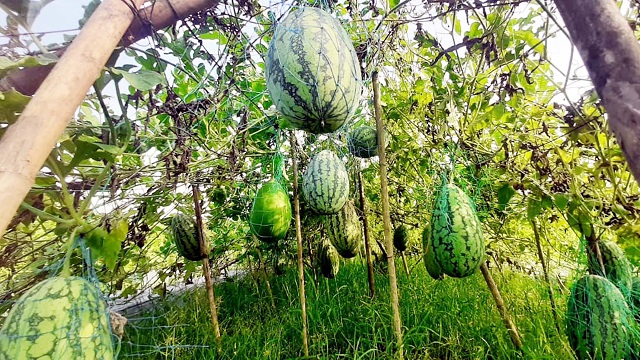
(386, 217)
(404, 262)
(205, 266)
(545, 271)
(296, 206)
(367, 246)
(263, 269)
(511, 327)
(27, 143)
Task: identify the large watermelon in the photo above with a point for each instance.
(363, 142)
(186, 237)
(328, 260)
(58, 318)
(325, 183)
(634, 298)
(344, 230)
(617, 267)
(598, 320)
(270, 215)
(427, 256)
(400, 237)
(456, 233)
(312, 71)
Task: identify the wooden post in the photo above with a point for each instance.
(263, 269)
(27, 143)
(367, 246)
(511, 327)
(404, 262)
(205, 267)
(386, 217)
(545, 271)
(296, 206)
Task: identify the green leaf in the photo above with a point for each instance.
(11, 105)
(110, 250)
(505, 193)
(142, 80)
(6, 64)
(561, 201)
(534, 208)
(215, 35)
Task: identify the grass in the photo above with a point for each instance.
(449, 319)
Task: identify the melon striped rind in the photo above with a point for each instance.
(456, 233)
(400, 237)
(312, 71)
(325, 183)
(616, 265)
(598, 320)
(344, 231)
(427, 256)
(186, 237)
(58, 318)
(363, 142)
(328, 260)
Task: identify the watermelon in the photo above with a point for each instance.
(400, 237)
(634, 299)
(325, 183)
(186, 237)
(429, 260)
(363, 142)
(270, 214)
(312, 71)
(617, 267)
(456, 233)
(598, 320)
(344, 230)
(328, 260)
(58, 318)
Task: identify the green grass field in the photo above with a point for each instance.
(449, 319)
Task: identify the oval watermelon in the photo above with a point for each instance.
(617, 267)
(185, 236)
(58, 318)
(456, 233)
(270, 215)
(363, 142)
(344, 230)
(325, 183)
(598, 320)
(328, 260)
(400, 237)
(312, 71)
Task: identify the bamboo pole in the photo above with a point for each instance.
(27, 143)
(263, 269)
(545, 271)
(404, 262)
(367, 246)
(205, 266)
(162, 14)
(386, 217)
(296, 206)
(511, 327)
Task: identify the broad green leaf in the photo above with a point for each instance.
(143, 79)
(11, 105)
(6, 64)
(534, 208)
(505, 193)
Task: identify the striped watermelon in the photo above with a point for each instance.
(325, 183)
(400, 237)
(185, 236)
(270, 215)
(427, 256)
(344, 231)
(456, 233)
(616, 265)
(58, 318)
(312, 71)
(598, 320)
(328, 260)
(363, 142)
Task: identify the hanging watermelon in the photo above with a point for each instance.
(312, 71)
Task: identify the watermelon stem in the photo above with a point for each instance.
(66, 271)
